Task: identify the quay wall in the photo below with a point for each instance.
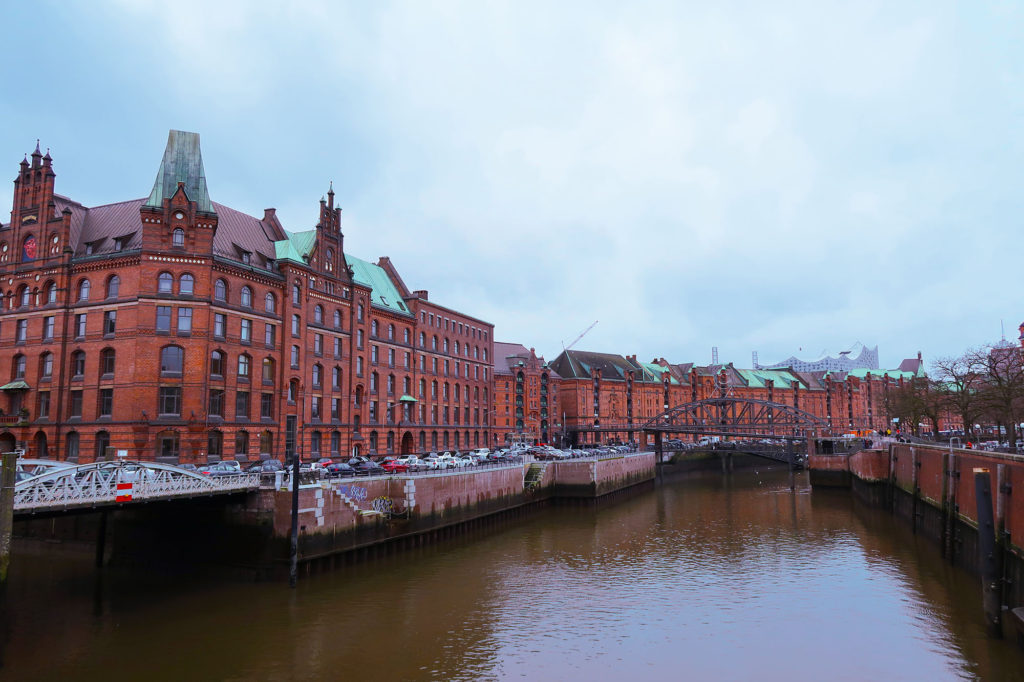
(932, 489)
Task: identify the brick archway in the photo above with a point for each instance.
(407, 443)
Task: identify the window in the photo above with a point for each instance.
(359, 366)
(317, 376)
(184, 320)
(246, 332)
(405, 335)
(266, 442)
(220, 324)
(107, 362)
(109, 322)
(217, 363)
(215, 443)
(220, 290)
(270, 335)
(318, 344)
(71, 446)
(359, 339)
(168, 441)
(391, 357)
(242, 443)
(296, 325)
(75, 406)
(268, 370)
(373, 382)
(165, 283)
(102, 444)
(172, 360)
(336, 378)
(267, 405)
(178, 237)
(270, 303)
(83, 291)
(335, 409)
(78, 364)
(244, 366)
(46, 366)
(47, 329)
(79, 326)
(216, 404)
(433, 343)
(314, 443)
(293, 390)
(186, 284)
(44, 405)
(163, 318)
(391, 384)
(337, 319)
(318, 314)
(113, 286)
(169, 401)
(329, 261)
(295, 357)
(242, 405)
(315, 405)
(374, 331)
(106, 406)
(21, 331)
(337, 348)
(296, 294)
(373, 354)
(19, 366)
(246, 297)
(359, 312)
(51, 293)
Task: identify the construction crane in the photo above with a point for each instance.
(577, 339)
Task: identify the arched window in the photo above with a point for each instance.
(220, 290)
(167, 442)
(266, 442)
(215, 443)
(165, 283)
(359, 396)
(317, 375)
(329, 261)
(113, 286)
(42, 450)
(373, 441)
(51, 292)
(391, 332)
(83, 291)
(108, 362)
(374, 328)
(246, 297)
(217, 363)
(178, 237)
(423, 339)
(102, 445)
(293, 390)
(456, 347)
(423, 388)
(268, 370)
(172, 359)
(244, 365)
(270, 303)
(373, 382)
(433, 343)
(337, 319)
(186, 285)
(318, 314)
(446, 345)
(46, 366)
(296, 294)
(359, 312)
(71, 446)
(241, 443)
(25, 295)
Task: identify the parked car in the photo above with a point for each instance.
(221, 469)
(394, 466)
(322, 463)
(411, 461)
(368, 468)
(339, 469)
(433, 462)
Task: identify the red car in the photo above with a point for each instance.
(393, 466)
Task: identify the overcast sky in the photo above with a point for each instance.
(756, 176)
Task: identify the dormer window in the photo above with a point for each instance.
(178, 237)
(90, 248)
(246, 257)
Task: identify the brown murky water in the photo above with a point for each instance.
(710, 578)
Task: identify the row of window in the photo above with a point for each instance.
(453, 326)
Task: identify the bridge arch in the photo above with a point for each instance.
(736, 417)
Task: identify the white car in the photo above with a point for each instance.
(410, 461)
(433, 463)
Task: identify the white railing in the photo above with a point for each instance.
(103, 483)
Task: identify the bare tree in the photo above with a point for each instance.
(1002, 389)
(959, 380)
(914, 401)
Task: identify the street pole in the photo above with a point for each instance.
(293, 573)
(6, 513)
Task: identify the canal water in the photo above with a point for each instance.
(707, 578)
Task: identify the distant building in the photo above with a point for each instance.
(525, 395)
(857, 357)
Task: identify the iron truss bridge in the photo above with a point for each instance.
(734, 417)
(108, 484)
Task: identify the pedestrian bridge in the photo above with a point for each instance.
(116, 484)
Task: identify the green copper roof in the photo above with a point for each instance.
(384, 293)
(16, 385)
(655, 371)
(183, 162)
(757, 378)
(303, 241)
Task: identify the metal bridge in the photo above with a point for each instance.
(110, 484)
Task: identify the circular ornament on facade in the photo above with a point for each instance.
(5, 248)
(179, 215)
(37, 277)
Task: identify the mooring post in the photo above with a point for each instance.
(988, 553)
(101, 540)
(6, 512)
(293, 573)
(915, 473)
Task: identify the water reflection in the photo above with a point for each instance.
(718, 577)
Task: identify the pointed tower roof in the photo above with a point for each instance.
(183, 162)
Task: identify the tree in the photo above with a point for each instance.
(915, 400)
(1001, 391)
(958, 381)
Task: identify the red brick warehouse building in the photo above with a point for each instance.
(178, 328)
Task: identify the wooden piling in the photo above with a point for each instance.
(6, 512)
(989, 554)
